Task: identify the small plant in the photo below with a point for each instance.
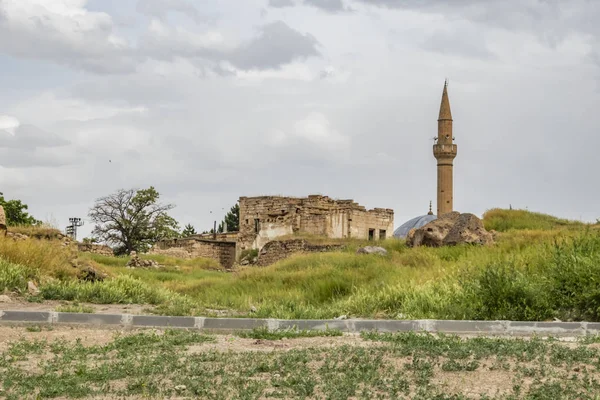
(34, 328)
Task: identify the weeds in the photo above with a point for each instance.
(265, 333)
(401, 366)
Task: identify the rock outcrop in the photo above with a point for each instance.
(137, 262)
(372, 250)
(101, 249)
(449, 230)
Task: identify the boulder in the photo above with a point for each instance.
(32, 288)
(137, 262)
(372, 250)
(449, 230)
(17, 236)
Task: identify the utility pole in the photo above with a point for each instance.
(72, 229)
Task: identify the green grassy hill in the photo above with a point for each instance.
(541, 268)
(504, 220)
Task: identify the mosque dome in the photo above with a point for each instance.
(416, 222)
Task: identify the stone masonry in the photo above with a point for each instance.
(95, 248)
(278, 250)
(265, 218)
(222, 251)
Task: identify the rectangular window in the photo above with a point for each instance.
(382, 233)
(256, 225)
(371, 234)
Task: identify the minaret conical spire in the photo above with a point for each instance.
(445, 113)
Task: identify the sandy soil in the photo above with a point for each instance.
(19, 304)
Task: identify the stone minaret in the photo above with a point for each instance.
(444, 151)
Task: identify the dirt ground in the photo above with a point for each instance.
(19, 304)
(224, 343)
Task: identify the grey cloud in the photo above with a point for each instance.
(29, 137)
(460, 41)
(85, 41)
(161, 8)
(276, 45)
(33, 147)
(548, 18)
(331, 6)
(12, 158)
(281, 3)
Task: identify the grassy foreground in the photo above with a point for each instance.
(185, 364)
(541, 268)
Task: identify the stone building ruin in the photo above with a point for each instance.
(265, 218)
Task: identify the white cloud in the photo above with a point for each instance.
(9, 124)
(289, 103)
(316, 129)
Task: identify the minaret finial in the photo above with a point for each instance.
(445, 113)
(430, 211)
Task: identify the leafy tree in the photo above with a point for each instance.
(15, 212)
(132, 220)
(188, 230)
(232, 218)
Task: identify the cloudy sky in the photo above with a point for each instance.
(212, 100)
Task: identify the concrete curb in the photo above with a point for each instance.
(500, 328)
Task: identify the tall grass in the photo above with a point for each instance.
(44, 231)
(48, 257)
(527, 275)
(14, 277)
(120, 290)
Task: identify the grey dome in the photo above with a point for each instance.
(417, 222)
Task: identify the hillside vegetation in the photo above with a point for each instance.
(504, 220)
(541, 268)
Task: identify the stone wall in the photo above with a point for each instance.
(95, 248)
(222, 251)
(227, 236)
(281, 249)
(265, 218)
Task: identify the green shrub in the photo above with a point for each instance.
(574, 271)
(14, 277)
(503, 291)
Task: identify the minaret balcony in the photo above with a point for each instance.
(445, 150)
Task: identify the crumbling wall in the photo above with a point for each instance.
(95, 248)
(265, 218)
(226, 236)
(222, 251)
(280, 249)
